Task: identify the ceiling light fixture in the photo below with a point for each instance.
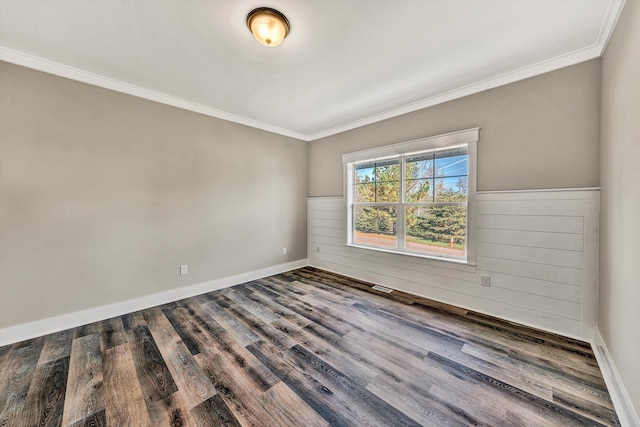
(268, 26)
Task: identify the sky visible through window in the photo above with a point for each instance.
(428, 176)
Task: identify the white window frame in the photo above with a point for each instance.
(468, 138)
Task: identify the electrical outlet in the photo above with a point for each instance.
(485, 280)
(317, 248)
(284, 251)
(184, 269)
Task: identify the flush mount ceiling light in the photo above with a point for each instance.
(268, 26)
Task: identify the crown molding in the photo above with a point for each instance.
(471, 89)
(613, 12)
(609, 23)
(61, 70)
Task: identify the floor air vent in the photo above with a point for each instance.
(382, 289)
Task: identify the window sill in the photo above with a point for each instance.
(412, 254)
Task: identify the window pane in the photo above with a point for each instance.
(452, 189)
(375, 226)
(378, 181)
(418, 190)
(387, 171)
(437, 230)
(417, 167)
(388, 192)
(365, 192)
(365, 173)
(451, 166)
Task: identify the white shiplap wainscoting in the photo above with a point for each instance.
(540, 248)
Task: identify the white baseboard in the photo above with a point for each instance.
(621, 400)
(41, 327)
(457, 304)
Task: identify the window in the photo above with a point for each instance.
(415, 197)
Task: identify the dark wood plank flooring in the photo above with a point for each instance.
(302, 348)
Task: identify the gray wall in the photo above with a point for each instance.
(103, 196)
(619, 296)
(537, 133)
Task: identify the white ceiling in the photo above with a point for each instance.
(346, 63)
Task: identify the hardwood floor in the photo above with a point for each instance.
(303, 348)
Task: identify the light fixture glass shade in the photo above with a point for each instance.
(268, 26)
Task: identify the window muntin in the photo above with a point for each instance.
(415, 202)
(377, 181)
